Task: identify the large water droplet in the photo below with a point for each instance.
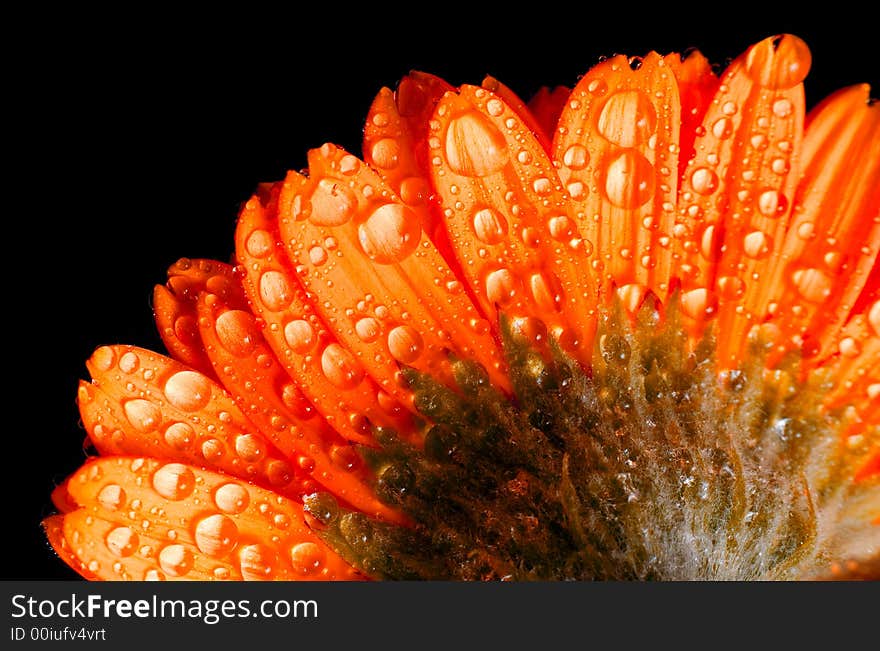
(778, 62)
(561, 228)
(722, 128)
(340, 367)
(812, 284)
(104, 358)
(368, 329)
(627, 119)
(547, 291)
(174, 481)
(237, 332)
(757, 244)
(390, 233)
(490, 227)
(259, 243)
(501, 287)
(307, 558)
(629, 180)
(413, 191)
(576, 157)
(695, 302)
(474, 146)
(112, 497)
(143, 415)
(216, 535)
(257, 562)
(129, 363)
(385, 153)
(122, 541)
(179, 436)
(176, 560)
(275, 290)
(188, 390)
(405, 344)
(231, 498)
(731, 287)
(250, 447)
(704, 180)
(333, 203)
(300, 336)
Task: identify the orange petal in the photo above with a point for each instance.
(62, 500)
(547, 106)
(510, 222)
(696, 88)
(379, 282)
(53, 527)
(138, 404)
(737, 191)
(515, 104)
(834, 237)
(870, 469)
(175, 312)
(146, 519)
(857, 366)
(617, 150)
(295, 333)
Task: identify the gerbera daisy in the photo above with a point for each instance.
(628, 330)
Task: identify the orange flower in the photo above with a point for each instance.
(629, 330)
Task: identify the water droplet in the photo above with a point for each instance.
(129, 363)
(237, 332)
(317, 256)
(143, 415)
(806, 231)
(174, 481)
(340, 367)
(782, 108)
(547, 291)
(561, 228)
(231, 498)
(731, 287)
(695, 302)
(629, 180)
(849, 347)
(542, 186)
(188, 390)
(728, 108)
(490, 227)
(874, 318)
(368, 329)
(405, 344)
(257, 562)
(307, 557)
(597, 87)
(501, 287)
(757, 244)
(413, 191)
(576, 157)
(275, 291)
(772, 203)
(333, 203)
(475, 146)
(122, 541)
(250, 447)
(390, 233)
(704, 181)
(385, 153)
(259, 243)
(778, 62)
(300, 336)
(627, 119)
(112, 497)
(722, 128)
(176, 560)
(212, 449)
(179, 436)
(524, 157)
(104, 358)
(153, 575)
(216, 535)
(494, 107)
(576, 190)
(812, 284)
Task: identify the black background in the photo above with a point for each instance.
(142, 138)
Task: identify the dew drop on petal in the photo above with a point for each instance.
(143, 415)
(772, 203)
(368, 329)
(122, 541)
(778, 62)
(413, 191)
(627, 119)
(112, 497)
(474, 146)
(231, 498)
(179, 436)
(757, 244)
(629, 180)
(333, 203)
(695, 302)
(259, 243)
(489, 226)
(340, 367)
(212, 449)
(849, 347)
(275, 290)
(501, 287)
(576, 157)
(216, 535)
(129, 363)
(812, 284)
(561, 228)
(405, 344)
(722, 128)
(104, 358)
(390, 233)
(174, 481)
(176, 560)
(874, 318)
(494, 107)
(249, 447)
(300, 336)
(385, 153)
(547, 291)
(704, 181)
(542, 186)
(257, 562)
(237, 332)
(730, 287)
(306, 558)
(188, 390)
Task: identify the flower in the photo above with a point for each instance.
(625, 331)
